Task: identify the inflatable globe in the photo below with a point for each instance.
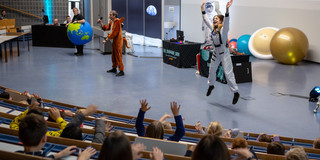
(79, 33)
(243, 44)
(289, 45)
(259, 43)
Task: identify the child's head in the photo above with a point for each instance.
(296, 154)
(155, 130)
(211, 147)
(239, 142)
(166, 125)
(35, 111)
(265, 138)
(32, 130)
(316, 143)
(276, 148)
(5, 95)
(215, 128)
(116, 146)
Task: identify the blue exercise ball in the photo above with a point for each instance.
(243, 44)
(79, 33)
(233, 40)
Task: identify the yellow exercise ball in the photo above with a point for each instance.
(289, 45)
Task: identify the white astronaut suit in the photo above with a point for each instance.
(210, 8)
(221, 54)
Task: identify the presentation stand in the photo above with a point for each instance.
(180, 54)
(50, 36)
(241, 66)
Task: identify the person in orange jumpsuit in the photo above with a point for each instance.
(117, 41)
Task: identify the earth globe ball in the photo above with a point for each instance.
(79, 33)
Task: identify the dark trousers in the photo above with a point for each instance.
(79, 49)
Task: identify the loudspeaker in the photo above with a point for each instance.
(242, 72)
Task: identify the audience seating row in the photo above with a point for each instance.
(126, 123)
(89, 135)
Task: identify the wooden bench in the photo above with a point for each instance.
(19, 156)
(81, 144)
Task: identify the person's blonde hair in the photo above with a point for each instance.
(215, 128)
(296, 154)
(316, 143)
(166, 125)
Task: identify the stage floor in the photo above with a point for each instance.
(56, 74)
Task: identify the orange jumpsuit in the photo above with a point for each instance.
(117, 44)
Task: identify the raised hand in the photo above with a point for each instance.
(243, 153)
(27, 94)
(36, 96)
(108, 126)
(137, 148)
(227, 134)
(174, 108)
(156, 154)
(198, 126)
(229, 5)
(69, 113)
(86, 154)
(66, 152)
(90, 110)
(202, 5)
(144, 105)
(54, 113)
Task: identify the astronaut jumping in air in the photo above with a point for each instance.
(219, 35)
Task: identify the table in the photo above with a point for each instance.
(241, 66)
(4, 38)
(180, 55)
(50, 36)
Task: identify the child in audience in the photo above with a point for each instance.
(316, 143)
(53, 112)
(211, 147)
(32, 133)
(38, 101)
(5, 95)
(166, 124)
(216, 128)
(276, 147)
(239, 144)
(73, 130)
(117, 145)
(100, 129)
(155, 129)
(263, 137)
(296, 154)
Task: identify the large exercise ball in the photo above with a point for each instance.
(233, 45)
(243, 44)
(232, 40)
(79, 33)
(259, 43)
(289, 45)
